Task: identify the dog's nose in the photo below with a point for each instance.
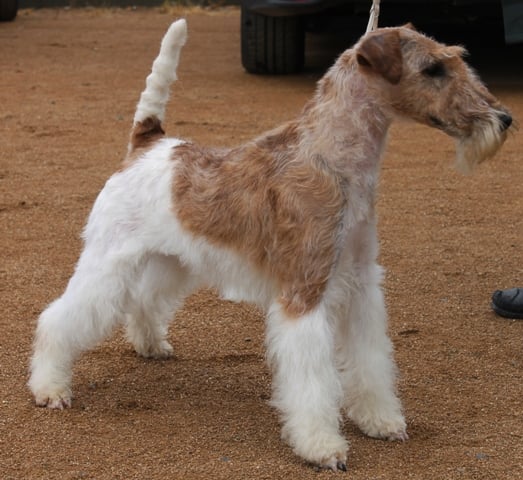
(505, 119)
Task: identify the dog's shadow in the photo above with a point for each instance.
(121, 378)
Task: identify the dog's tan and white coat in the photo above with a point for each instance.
(286, 220)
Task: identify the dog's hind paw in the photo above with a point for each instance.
(58, 401)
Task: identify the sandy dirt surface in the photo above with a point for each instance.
(69, 82)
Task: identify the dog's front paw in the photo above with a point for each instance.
(333, 453)
(379, 417)
(400, 436)
(160, 351)
(326, 450)
(334, 464)
(393, 429)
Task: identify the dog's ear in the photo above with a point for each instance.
(380, 52)
(409, 26)
(456, 51)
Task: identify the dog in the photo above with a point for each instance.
(286, 220)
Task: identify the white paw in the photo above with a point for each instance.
(326, 450)
(161, 350)
(57, 400)
(386, 429)
(335, 464)
(400, 436)
(333, 453)
(378, 418)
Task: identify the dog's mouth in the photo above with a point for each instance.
(448, 128)
(503, 119)
(436, 122)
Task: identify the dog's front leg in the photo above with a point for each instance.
(365, 357)
(307, 388)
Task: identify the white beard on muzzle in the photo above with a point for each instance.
(482, 144)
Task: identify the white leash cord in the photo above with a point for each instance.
(374, 15)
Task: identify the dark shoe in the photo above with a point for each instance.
(508, 303)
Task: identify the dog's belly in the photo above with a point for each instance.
(234, 277)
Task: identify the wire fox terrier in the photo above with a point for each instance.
(286, 220)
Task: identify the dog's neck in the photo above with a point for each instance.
(345, 123)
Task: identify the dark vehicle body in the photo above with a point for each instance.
(273, 31)
(8, 10)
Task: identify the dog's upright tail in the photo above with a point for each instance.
(150, 110)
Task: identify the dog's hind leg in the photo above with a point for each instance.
(159, 292)
(92, 304)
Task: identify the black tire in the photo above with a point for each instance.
(8, 10)
(273, 45)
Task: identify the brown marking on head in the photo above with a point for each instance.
(283, 216)
(439, 89)
(380, 53)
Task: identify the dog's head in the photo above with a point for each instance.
(430, 82)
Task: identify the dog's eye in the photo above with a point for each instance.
(435, 70)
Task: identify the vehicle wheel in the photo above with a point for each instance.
(273, 45)
(8, 9)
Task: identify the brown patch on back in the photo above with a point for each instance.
(282, 213)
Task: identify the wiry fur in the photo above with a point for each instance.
(286, 220)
